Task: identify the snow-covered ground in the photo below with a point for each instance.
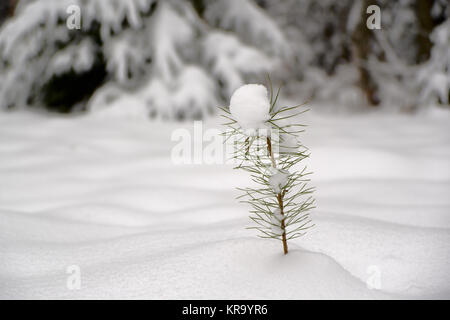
(103, 195)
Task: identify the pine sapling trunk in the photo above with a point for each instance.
(279, 198)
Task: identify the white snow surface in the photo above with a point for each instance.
(250, 106)
(103, 194)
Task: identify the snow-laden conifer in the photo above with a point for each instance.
(267, 146)
(177, 61)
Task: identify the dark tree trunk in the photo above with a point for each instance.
(7, 9)
(199, 6)
(361, 39)
(422, 10)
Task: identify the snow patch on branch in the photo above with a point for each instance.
(278, 179)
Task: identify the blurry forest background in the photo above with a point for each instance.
(180, 59)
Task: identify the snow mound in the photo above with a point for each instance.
(111, 102)
(107, 198)
(239, 268)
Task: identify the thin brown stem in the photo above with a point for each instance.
(280, 197)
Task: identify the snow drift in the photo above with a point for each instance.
(108, 199)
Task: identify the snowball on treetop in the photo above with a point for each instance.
(250, 106)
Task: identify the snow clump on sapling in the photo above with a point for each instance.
(250, 106)
(278, 179)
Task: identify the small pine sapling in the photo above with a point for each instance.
(266, 145)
